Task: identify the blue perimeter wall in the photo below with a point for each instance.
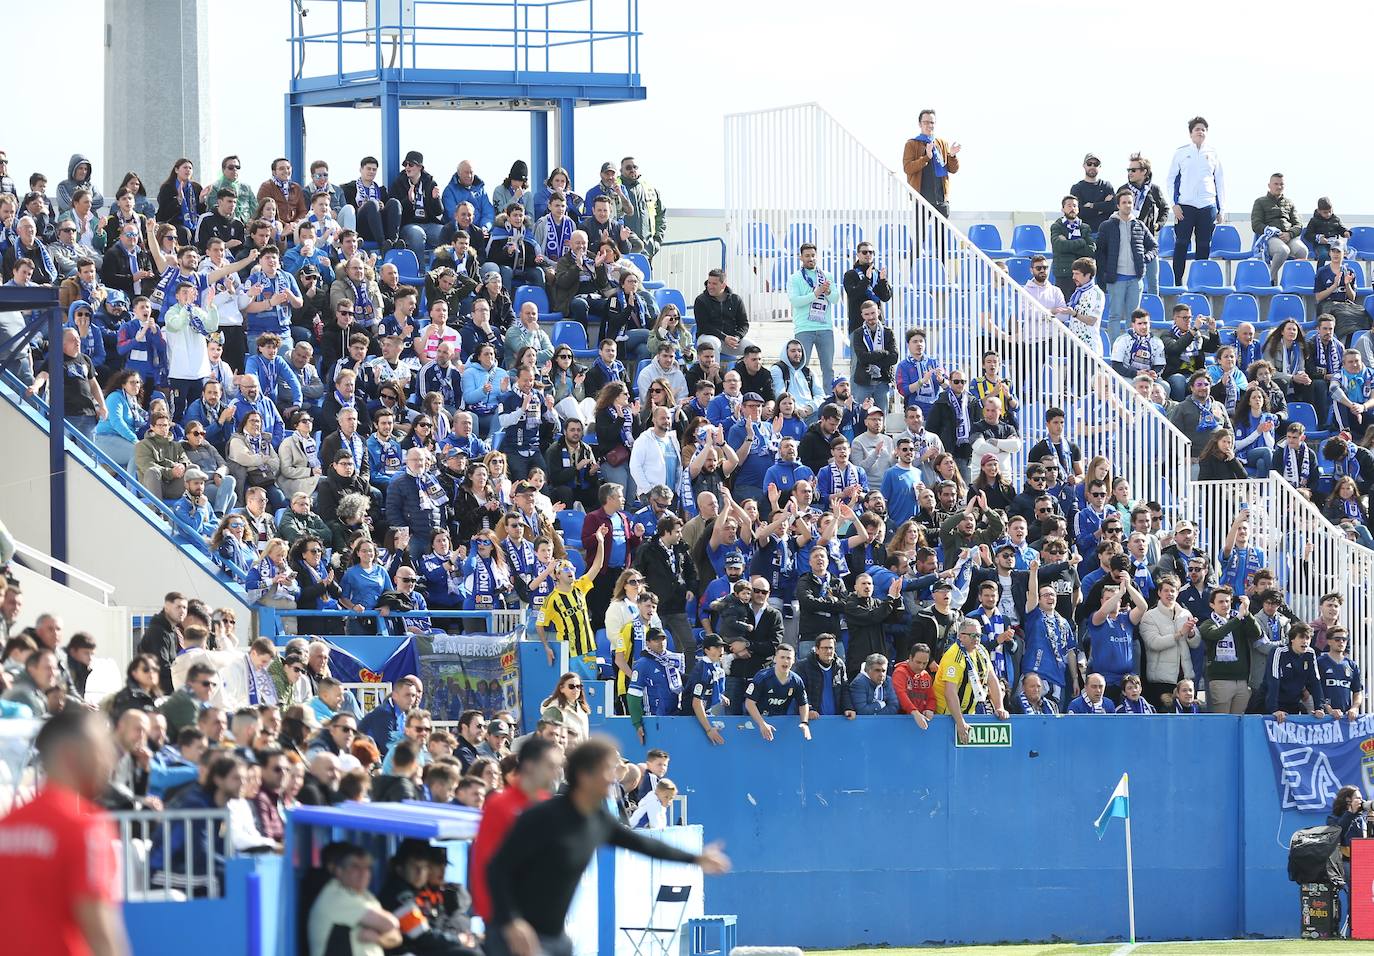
(876, 833)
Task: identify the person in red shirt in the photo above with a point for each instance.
(915, 686)
(538, 765)
(57, 851)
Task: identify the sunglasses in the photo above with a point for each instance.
(956, 381)
(1135, 169)
(233, 166)
(321, 551)
(424, 424)
(573, 686)
(237, 524)
(406, 580)
(759, 590)
(1093, 164)
(208, 683)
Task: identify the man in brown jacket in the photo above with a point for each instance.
(291, 207)
(928, 162)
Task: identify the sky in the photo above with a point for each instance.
(1021, 86)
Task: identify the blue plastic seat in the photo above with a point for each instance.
(1167, 285)
(1361, 242)
(1019, 268)
(1227, 244)
(798, 234)
(1239, 307)
(1205, 276)
(985, 236)
(570, 523)
(665, 296)
(1298, 275)
(642, 263)
(532, 293)
(759, 241)
(929, 274)
(605, 660)
(914, 306)
(1028, 239)
(846, 238)
(574, 335)
(1199, 303)
(1227, 337)
(1284, 306)
(1154, 305)
(578, 562)
(405, 261)
(1167, 240)
(1361, 283)
(1304, 414)
(1252, 276)
(894, 241)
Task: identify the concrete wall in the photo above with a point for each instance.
(900, 839)
(156, 90)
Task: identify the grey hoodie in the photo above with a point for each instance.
(71, 185)
(796, 384)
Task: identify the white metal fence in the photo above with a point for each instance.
(196, 870)
(795, 175)
(683, 266)
(1309, 557)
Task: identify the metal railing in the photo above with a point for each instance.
(497, 622)
(114, 473)
(518, 36)
(369, 694)
(1308, 555)
(683, 265)
(140, 831)
(103, 588)
(795, 175)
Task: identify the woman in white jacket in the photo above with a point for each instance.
(1169, 633)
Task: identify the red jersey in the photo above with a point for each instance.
(498, 816)
(914, 691)
(55, 852)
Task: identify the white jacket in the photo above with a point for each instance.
(1195, 178)
(647, 465)
(1161, 631)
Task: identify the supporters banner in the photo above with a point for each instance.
(1315, 758)
(470, 672)
(371, 660)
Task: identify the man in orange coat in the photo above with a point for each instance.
(929, 161)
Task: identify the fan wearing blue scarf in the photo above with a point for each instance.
(929, 161)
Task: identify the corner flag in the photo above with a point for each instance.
(1118, 806)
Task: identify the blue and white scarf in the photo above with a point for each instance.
(1073, 228)
(1046, 707)
(1192, 708)
(1138, 706)
(673, 665)
(1079, 292)
(962, 426)
(311, 450)
(1094, 708)
(1328, 356)
(366, 193)
(1297, 465)
(556, 236)
(486, 585)
(189, 218)
(431, 489)
(521, 556)
(627, 425)
(362, 302)
(1141, 354)
(632, 311)
(1260, 250)
(527, 433)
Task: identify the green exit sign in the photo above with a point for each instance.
(987, 735)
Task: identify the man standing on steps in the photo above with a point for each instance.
(1094, 195)
(928, 162)
(812, 294)
(1198, 189)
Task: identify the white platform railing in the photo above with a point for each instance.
(795, 175)
(1308, 555)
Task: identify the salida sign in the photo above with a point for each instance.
(987, 735)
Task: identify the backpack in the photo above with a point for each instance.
(1314, 856)
(786, 370)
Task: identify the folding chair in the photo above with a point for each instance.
(661, 938)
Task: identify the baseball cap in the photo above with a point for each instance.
(1091, 157)
(986, 458)
(498, 728)
(753, 397)
(735, 559)
(606, 166)
(1007, 546)
(712, 640)
(942, 586)
(307, 270)
(875, 410)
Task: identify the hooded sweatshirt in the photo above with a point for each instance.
(796, 380)
(71, 184)
(92, 343)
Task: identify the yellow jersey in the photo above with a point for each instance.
(566, 612)
(954, 670)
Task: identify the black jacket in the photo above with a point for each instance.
(215, 226)
(390, 788)
(865, 617)
(162, 639)
(1304, 452)
(1154, 211)
(856, 291)
(1219, 469)
(943, 422)
(434, 205)
(760, 381)
(114, 270)
(132, 697)
(169, 205)
(884, 359)
(1143, 249)
(814, 448)
(927, 629)
(813, 675)
(651, 560)
(720, 317)
(820, 609)
(737, 622)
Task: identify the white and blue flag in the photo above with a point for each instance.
(1118, 806)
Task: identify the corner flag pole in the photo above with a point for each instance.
(1119, 805)
(1130, 884)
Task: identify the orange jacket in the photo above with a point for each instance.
(914, 162)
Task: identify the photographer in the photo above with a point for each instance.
(1186, 344)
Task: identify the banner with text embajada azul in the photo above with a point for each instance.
(1315, 758)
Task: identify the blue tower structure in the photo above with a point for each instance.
(537, 56)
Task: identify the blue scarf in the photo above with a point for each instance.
(312, 452)
(631, 310)
(285, 186)
(1297, 465)
(962, 425)
(1139, 706)
(432, 489)
(187, 195)
(362, 301)
(1138, 194)
(326, 603)
(1260, 250)
(1192, 708)
(527, 436)
(1206, 420)
(615, 372)
(1079, 292)
(366, 193)
(937, 159)
(1356, 385)
(484, 594)
(627, 426)
(1328, 355)
(521, 556)
(1351, 467)
(556, 236)
(1140, 354)
(1073, 228)
(1047, 706)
